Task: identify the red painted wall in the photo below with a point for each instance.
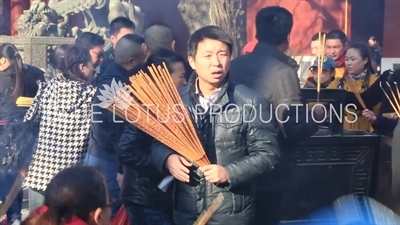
(309, 17)
(391, 32)
(17, 7)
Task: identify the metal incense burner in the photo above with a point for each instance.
(332, 163)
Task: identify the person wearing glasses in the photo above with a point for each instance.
(94, 43)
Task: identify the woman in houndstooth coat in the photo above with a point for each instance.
(62, 107)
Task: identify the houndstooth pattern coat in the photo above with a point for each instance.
(63, 110)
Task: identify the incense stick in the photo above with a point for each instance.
(321, 53)
(396, 109)
(205, 216)
(394, 96)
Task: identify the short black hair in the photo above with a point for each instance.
(89, 40)
(315, 37)
(273, 25)
(337, 34)
(129, 46)
(120, 22)
(372, 38)
(165, 56)
(158, 36)
(208, 32)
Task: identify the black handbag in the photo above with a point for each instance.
(17, 144)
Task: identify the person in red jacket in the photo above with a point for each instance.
(75, 196)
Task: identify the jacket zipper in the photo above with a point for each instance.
(212, 121)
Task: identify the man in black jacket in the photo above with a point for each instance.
(106, 127)
(268, 70)
(119, 27)
(231, 120)
(159, 36)
(144, 202)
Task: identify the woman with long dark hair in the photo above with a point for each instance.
(62, 109)
(16, 80)
(360, 75)
(75, 196)
(53, 69)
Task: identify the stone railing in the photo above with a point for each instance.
(36, 50)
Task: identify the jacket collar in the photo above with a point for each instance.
(274, 52)
(222, 99)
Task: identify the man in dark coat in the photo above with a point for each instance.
(268, 70)
(232, 122)
(159, 36)
(106, 128)
(119, 27)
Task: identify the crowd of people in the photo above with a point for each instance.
(123, 165)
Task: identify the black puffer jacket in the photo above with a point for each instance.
(140, 175)
(234, 136)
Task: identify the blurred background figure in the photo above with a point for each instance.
(316, 44)
(376, 54)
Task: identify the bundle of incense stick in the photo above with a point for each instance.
(395, 96)
(321, 54)
(158, 110)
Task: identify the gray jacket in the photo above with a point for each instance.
(272, 73)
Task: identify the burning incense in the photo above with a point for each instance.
(158, 110)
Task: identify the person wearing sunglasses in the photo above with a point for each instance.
(327, 75)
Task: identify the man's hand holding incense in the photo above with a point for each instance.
(215, 173)
(178, 167)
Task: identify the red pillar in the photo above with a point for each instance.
(391, 33)
(16, 9)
